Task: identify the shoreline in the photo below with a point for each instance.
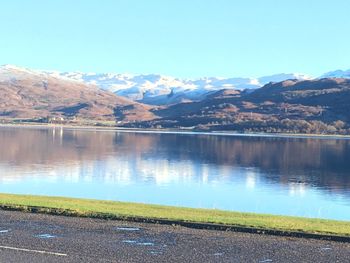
(176, 131)
(182, 216)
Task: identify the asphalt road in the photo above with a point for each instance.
(42, 238)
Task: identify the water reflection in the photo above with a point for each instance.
(307, 177)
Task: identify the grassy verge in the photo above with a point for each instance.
(120, 210)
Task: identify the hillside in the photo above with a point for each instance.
(312, 106)
(26, 94)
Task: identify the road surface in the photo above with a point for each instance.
(42, 238)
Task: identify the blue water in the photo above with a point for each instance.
(289, 176)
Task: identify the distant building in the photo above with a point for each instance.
(58, 120)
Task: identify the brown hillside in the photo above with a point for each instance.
(314, 106)
(27, 94)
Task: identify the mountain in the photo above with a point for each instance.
(294, 105)
(30, 94)
(337, 74)
(156, 89)
(282, 77)
(164, 90)
(308, 106)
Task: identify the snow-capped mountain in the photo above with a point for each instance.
(283, 77)
(12, 72)
(337, 74)
(159, 89)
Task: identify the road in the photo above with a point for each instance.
(42, 238)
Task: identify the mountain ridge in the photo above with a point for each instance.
(292, 106)
(162, 90)
(156, 89)
(318, 105)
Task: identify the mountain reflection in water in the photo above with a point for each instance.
(306, 177)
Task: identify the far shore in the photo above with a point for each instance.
(174, 131)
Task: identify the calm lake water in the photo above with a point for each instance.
(289, 176)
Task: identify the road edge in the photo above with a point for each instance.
(189, 224)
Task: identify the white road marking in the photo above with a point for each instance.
(128, 228)
(45, 236)
(34, 251)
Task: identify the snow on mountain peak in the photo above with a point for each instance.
(282, 77)
(156, 88)
(9, 67)
(12, 72)
(337, 74)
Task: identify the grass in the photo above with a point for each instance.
(112, 209)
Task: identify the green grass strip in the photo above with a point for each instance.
(103, 209)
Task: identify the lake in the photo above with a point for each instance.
(307, 177)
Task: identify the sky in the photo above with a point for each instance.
(181, 38)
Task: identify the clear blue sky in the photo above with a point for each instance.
(183, 38)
